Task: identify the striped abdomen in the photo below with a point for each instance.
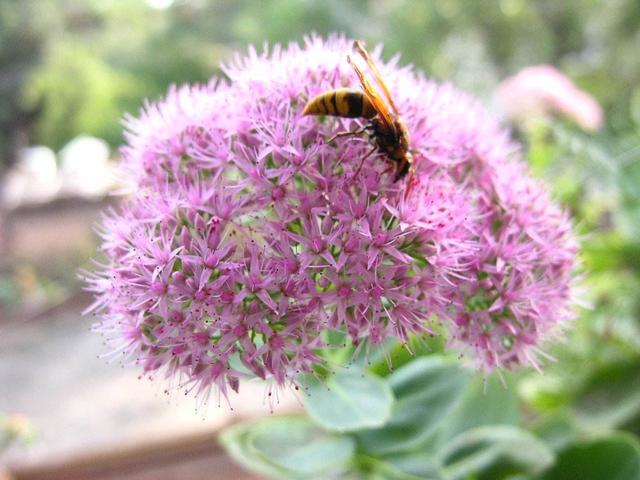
(342, 102)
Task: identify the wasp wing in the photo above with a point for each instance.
(359, 47)
(374, 97)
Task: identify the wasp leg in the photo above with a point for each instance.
(348, 134)
(391, 167)
(402, 168)
(369, 153)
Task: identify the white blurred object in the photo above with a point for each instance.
(85, 167)
(34, 178)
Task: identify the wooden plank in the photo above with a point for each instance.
(192, 457)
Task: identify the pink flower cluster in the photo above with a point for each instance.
(248, 235)
(540, 89)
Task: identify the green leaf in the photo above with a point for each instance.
(374, 357)
(287, 447)
(372, 468)
(426, 390)
(616, 457)
(420, 463)
(349, 400)
(556, 430)
(611, 397)
(396, 355)
(495, 452)
(487, 401)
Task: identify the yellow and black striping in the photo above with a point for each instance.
(342, 102)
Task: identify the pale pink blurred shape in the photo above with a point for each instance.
(540, 89)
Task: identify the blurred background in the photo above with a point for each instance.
(69, 71)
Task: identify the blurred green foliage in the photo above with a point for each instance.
(14, 428)
(439, 424)
(77, 66)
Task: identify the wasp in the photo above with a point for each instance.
(386, 127)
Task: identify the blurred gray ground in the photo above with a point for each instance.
(79, 403)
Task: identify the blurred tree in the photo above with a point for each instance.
(23, 34)
(78, 93)
(102, 58)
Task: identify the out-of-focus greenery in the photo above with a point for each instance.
(596, 378)
(28, 286)
(437, 423)
(69, 67)
(74, 67)
(14, 428)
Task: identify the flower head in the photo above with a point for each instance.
(248, 234)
